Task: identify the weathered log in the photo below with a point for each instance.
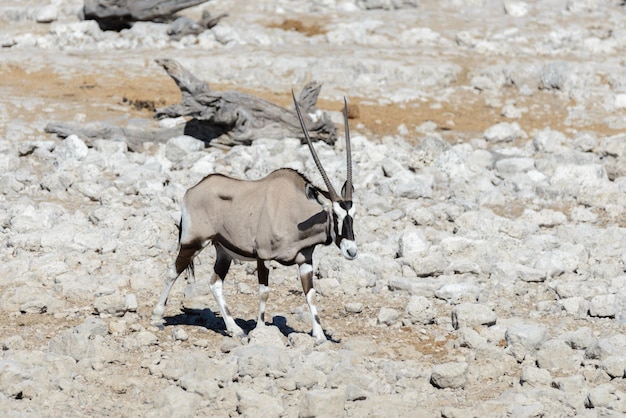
(218, 118)
(233, 117)
(121, 14)
(185, 26)
(134, 138)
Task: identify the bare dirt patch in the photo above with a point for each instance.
(117, 96)
(306, 28)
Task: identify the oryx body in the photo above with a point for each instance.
(281, 217)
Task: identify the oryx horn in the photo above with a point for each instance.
(331, 190)
(348, 195)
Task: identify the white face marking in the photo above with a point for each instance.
(341, 214)
(348, 247)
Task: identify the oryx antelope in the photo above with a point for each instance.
(280, 217)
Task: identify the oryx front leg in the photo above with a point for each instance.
(222, 265)
(305, 271)
(264, 289)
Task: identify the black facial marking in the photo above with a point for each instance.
(348, 233)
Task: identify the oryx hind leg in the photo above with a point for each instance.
(305, 270)
(264, 289)
(222, 265)
(185, 257)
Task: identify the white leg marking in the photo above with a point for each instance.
(318, 332)
(264, 293)
(305, 269)
(232, 328)
(306, 276)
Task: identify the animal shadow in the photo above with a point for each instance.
(206, 318)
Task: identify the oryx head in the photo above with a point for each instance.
(342, 207)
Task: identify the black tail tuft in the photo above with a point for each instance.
(191, 272)
(180, 228)
(191, 269)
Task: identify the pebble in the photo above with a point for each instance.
(420, 310)
(503, 132)
(179, 334)
(472, 314)
(449, 375)
(535, 376)
(323, 402)
(387, 316)
(524, 338)
(47, 14)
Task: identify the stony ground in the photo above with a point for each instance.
(490, 175)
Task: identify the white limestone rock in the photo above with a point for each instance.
(472, 314)
(387, 316)
(323, 402)
(252, 403)
(535, 377)
(412, 243)
(179, 147)
(267, 336)
(557, 356)
(71, 148)
(47, 14)
(524, 338)
(455, 293)
(420, 310)
(615, 366)
(504, 132)
(606, 306)
(451, 375)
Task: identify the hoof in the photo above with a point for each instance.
(237, 333)
(320, 341)
(158, 323)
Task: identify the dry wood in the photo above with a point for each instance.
(121, 14)
(184, 26)
(133, 137)
(218, 118)
(233, 117)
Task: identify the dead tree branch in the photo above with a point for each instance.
(233, 117)
(121, 14)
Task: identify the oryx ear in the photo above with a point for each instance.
(344, 190)
(310, 192)
(313, 193)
